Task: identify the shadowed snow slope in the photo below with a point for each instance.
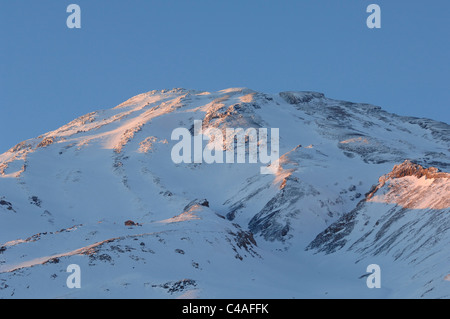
(356, 185)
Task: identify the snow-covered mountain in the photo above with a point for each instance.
(355, 186)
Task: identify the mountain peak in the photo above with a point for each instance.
(298, 97)
(68, 196)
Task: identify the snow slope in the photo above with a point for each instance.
(336, 204)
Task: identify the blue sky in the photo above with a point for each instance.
(49, 74)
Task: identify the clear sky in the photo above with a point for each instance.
(50, 74)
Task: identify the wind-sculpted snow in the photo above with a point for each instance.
(103, 192)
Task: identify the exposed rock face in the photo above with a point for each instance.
(412, 186)
(301, 97)
(130, 223)
(407, 168)
(46, 142)
(178, 286)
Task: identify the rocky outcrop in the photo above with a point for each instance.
(7, 205)
(130, 223)
(412, 186)
(300, 97)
